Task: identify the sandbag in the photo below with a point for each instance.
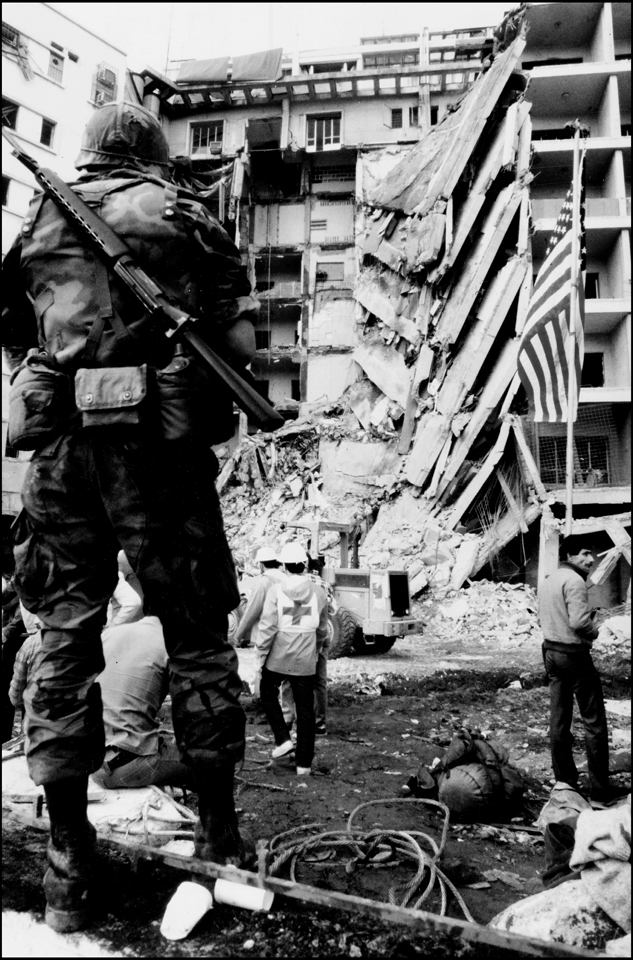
(471, 792)
(565, 914)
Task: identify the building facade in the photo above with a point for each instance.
(55, 73)
(285, 154)
(580, 68)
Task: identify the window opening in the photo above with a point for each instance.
(396, 118)
(5, 191)
(207, 137)
(9, 114)
(262, 339)
(104, 86)
(46, 135)
(414, 114)
(592, 370)
(434, 115)
(324, 133)
(592, 286)
(56, 67)
(295, 389)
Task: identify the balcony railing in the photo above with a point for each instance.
(281, 289)
(595, 207)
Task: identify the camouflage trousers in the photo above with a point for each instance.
(85, 496)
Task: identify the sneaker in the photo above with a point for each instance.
(304, 771)
(320, 731)
(609, 794)
(283, 749)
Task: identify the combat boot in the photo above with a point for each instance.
(216, 834)
(70, 854)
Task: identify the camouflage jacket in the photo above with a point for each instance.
(55, 286)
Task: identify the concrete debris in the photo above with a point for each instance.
(426, 451)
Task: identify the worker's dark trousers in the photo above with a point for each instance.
(86, 496)
(303, 693)
(574, 675)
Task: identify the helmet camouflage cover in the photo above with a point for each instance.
(122, 134)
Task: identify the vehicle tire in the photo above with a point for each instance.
(380, 645)
(342, 628)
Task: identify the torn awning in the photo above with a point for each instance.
(201, 71)
(265, 65)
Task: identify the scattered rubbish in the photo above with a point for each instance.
(185, 909)
(240, 895)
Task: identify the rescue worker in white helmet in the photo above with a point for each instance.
(292, 631)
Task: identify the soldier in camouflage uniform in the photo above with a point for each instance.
(92, 490)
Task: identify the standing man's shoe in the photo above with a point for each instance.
(609, 794)
(283, 750)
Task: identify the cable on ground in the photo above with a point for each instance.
(372, 847)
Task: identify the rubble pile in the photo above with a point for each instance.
(443, 291)
(492, 612)
(426, 451)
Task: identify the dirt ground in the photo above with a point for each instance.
(387, 715)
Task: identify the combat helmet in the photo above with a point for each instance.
(123, 134)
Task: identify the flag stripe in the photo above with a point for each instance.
(543, 362)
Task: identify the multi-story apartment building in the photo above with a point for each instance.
(54, 75)
(579, 60)
(295, 134)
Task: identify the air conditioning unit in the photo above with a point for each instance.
(107, 77)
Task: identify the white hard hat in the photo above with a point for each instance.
(264, 554)
(293, 553)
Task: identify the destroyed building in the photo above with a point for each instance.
(392, 202)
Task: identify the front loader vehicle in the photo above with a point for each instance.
(372, 607)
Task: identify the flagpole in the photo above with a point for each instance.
(573, 310)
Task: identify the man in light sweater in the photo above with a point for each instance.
(292, 632)
(569, 631)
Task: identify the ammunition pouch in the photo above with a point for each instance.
(111, 396)
(192, 403)
(39, 402)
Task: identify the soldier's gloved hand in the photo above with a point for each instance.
(240, 340)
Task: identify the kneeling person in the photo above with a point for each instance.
(292, 632)
(134, 685)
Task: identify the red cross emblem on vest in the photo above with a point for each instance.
(296, 611)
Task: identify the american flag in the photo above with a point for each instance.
(543, 351)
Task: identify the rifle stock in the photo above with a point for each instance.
(120, 259)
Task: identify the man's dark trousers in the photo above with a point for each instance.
(303, 693)
(574, 675)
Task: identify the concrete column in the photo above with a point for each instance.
(152, 103)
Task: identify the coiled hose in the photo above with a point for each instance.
(364, 846)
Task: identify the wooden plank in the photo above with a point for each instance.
(481, 337)
(528, 458)
(418, 920)
(549, 538)
(492, 393)
(524, 297)
(515, 509)
(608, 563)
(483, 475)
(505, 531)
(439, 467)
(423, 367)
(488, 171)
(433, 430)
(468, 286)
(597, 524)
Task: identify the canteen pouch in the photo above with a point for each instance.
(39, 402)
(110, 396)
